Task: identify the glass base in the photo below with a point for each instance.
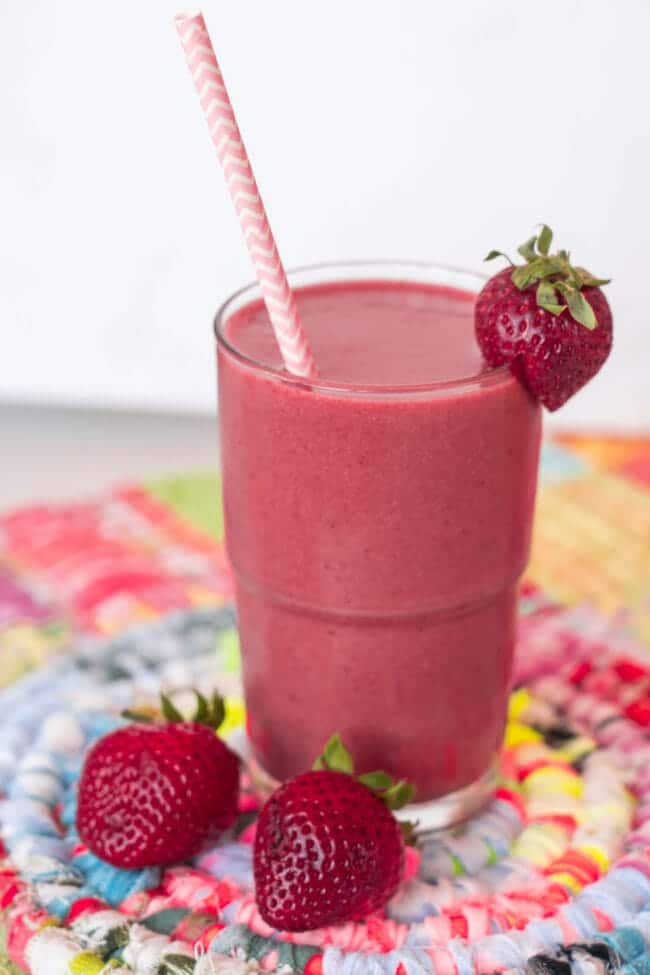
(427, 817)
(455, 807)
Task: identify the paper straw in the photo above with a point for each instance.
(271, 276)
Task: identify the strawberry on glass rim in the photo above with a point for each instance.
(547, 319)
(328, 848)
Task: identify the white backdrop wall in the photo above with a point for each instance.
(407, 128)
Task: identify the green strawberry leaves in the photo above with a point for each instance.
(559, 284)
(216, 712)
(398, 795)
(377, 781)
(588, 280)
(209, 713)
(547, 298)
(335, 757)
(579, 307)
(544, 240)
(492, 254)
(169, 711)
(527, 250)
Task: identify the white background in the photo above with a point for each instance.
(408, 128)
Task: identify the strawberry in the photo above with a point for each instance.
(548, 320)
(327, 847)
(157, 793)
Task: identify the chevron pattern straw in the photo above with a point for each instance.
(279, 300)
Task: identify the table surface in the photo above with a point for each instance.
(63, 453)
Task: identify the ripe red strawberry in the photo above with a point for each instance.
(159, 793)
(547, 319)
(327, 847)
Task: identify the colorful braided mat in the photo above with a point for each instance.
(103, 603)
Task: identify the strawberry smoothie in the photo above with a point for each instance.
(377, 522)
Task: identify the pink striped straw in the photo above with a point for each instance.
(278, 297)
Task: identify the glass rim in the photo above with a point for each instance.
(235, 301)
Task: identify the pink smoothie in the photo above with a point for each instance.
(377, 535)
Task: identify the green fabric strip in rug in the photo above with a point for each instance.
(196, 498)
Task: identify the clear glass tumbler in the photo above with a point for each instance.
(377, 535)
